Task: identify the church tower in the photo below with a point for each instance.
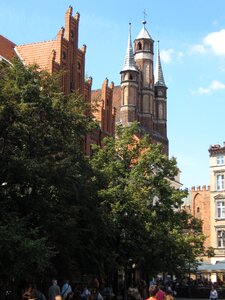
(129, 86)
(143, 96)
(160, 120)
(144, 59)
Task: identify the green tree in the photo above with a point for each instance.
(141, 207)
(48, 203)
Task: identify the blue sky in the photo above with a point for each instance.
(192, 43)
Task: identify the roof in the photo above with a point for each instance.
(217, 149)
(144, 34)
(159, 79)
(37, 53)
(129, 64)
(6, 48)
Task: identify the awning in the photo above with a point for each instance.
(218, 267)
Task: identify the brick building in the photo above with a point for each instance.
(201, 209)
(63, 55)
(142, 94)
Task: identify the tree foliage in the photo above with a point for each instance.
(141, 206)
(62, 213)
(47, 201)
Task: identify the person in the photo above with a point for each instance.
(27, 293)
(213, 294)
(66, 289)
(54, 290)
(85, 293)
(95, 295)
(169, 295)
(160, 294)
(30, 293)
(153, 290)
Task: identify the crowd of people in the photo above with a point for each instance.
(156, 290)
(64, 293)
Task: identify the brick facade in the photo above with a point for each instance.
(63, 55)
(201, 209)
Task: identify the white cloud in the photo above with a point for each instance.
(166, 55)
(198, 49)
(216, 40)
(214, 86)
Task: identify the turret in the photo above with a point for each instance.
(144, 57)
(129, 86)
(160, 105)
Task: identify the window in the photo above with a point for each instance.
(64, 55)
(220, 209)
(198, 209)
(220, 160)
(220, 182)
(221, 238)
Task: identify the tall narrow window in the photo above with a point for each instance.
(220, 182)
(221, 238)
(221, 209)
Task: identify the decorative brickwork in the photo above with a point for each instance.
(200, 208)
(63, 55)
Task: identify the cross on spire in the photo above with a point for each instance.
(145, 14)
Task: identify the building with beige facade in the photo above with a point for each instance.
(207, 203)
(217, 201)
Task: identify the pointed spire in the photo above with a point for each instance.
(144, 34)
(159, 79)
(129, 63)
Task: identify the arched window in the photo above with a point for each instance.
(139, 46)
(131, 77)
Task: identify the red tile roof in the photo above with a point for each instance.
(6, 48)
(37, 53)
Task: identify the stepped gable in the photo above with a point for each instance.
(37, 53)
(116, 99)
(6, 48)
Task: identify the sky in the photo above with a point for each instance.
(192, 46)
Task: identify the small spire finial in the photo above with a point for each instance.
(145, 14)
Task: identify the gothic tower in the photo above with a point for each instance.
(160, 119)
(129, 86)
(143, 91)
(144, 59)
